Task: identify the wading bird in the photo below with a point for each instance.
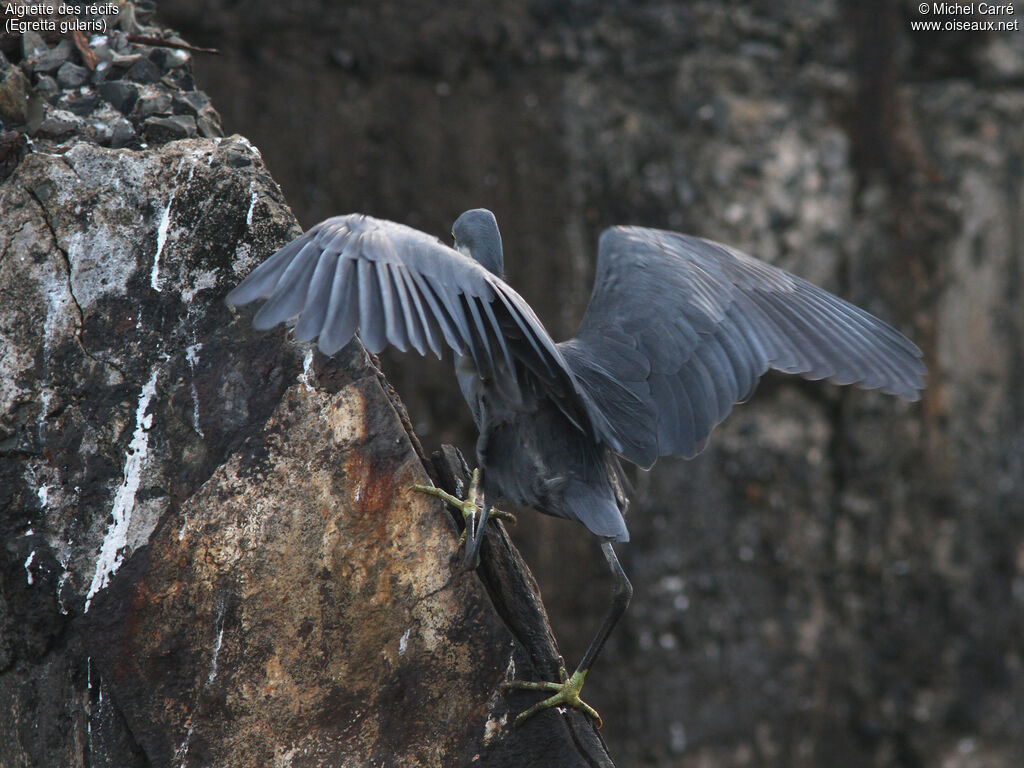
(677, 331)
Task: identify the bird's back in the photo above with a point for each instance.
(533, 455)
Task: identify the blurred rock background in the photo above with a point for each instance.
(839, 579)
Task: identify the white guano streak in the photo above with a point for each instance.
(165, 223)
(110, 557)
(28, 566)
(161, 239)
(306, 377)
(192, 357)
(252, 204)
(216, 651)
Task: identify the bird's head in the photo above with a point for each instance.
(476, 235)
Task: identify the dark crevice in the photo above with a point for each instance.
(427, 595)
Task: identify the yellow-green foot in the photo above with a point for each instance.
(471, 513)
(566, 694)
(468, 506)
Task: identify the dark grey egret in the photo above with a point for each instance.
(677, 331)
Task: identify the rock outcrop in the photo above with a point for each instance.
(211, 555)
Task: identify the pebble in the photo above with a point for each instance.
(59, 124)
(179, 80)
(120, 94)
(169, 58)
(144, 71)
(13, 147)
(101, 47)
(162, 129)
(190, 103)
(71, 75)
(100, 132)
(153, 103)
(124, 60)
(209, 123)
(31, 44)
(46, 86)
(81, 105)
(121, 132)
(51, 60)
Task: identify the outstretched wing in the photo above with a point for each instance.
(679, 329)
(399, 286)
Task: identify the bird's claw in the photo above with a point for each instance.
(472, 512)
(508, 517)
(566, 694)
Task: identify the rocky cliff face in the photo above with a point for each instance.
(211, 555)
(838, 580)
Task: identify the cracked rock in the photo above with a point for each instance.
(260, 495)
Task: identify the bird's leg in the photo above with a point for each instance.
(475, 512)
(567, 692)
(474, 531)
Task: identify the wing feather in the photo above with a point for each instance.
(429, 326)
(438, 312)
(372, 320)
(262, 281)
(413, 327)
(342, 316)
(394, 311)
(485, 354)
(396, 285)
(290, 292)
(709, 321)
(318, 298)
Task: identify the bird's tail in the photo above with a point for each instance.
(596, 510)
